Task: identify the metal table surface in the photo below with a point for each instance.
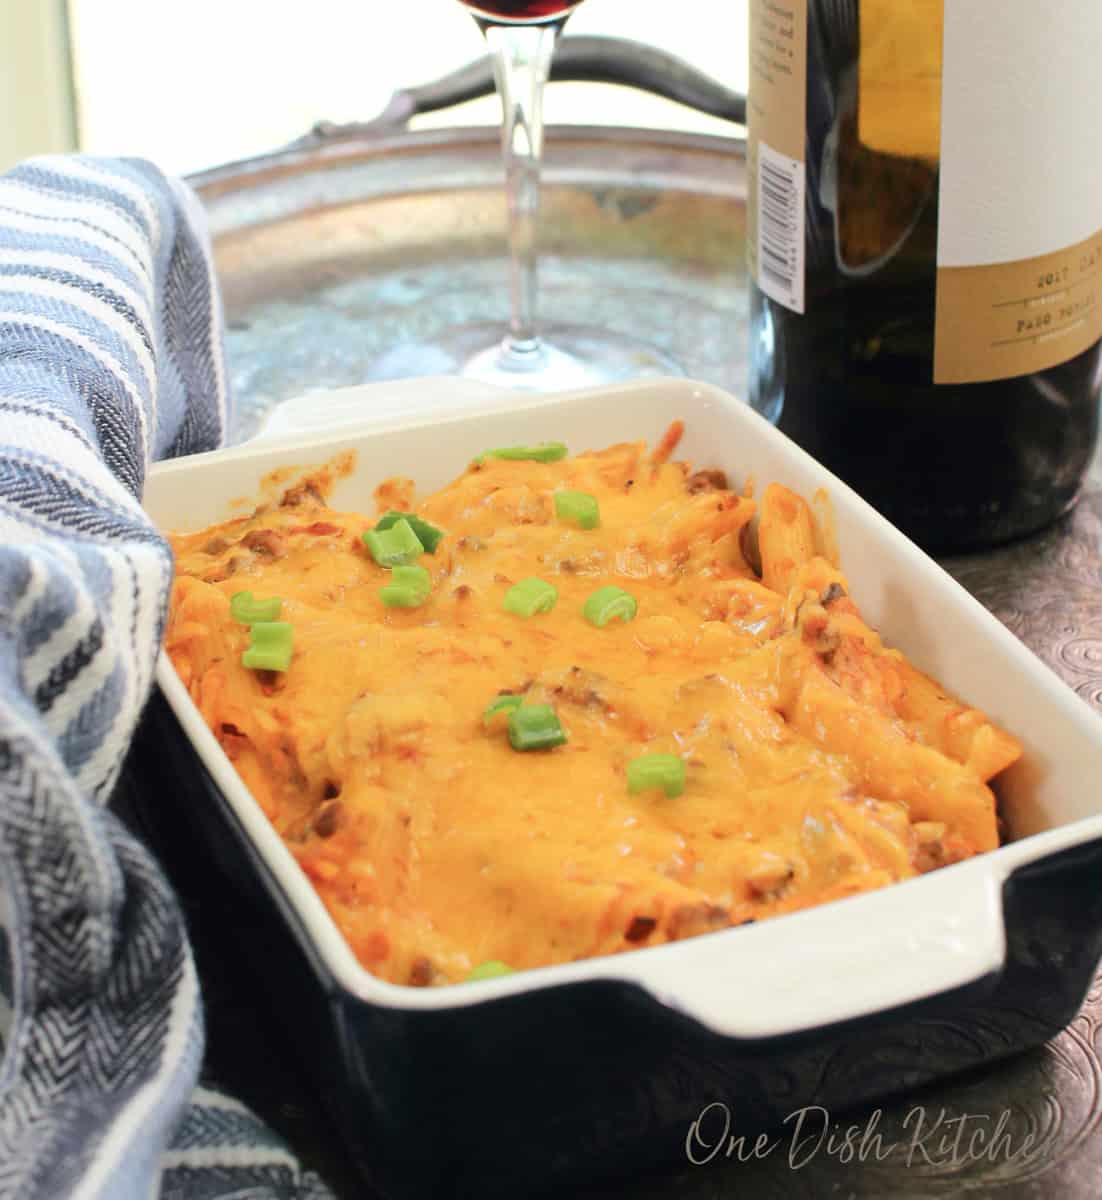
(319, 283)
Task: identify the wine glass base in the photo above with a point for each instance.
(566, 357)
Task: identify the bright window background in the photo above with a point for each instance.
(36, 96)
(193, 84)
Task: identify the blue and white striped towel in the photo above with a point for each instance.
(110, 357)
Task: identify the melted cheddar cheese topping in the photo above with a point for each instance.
(818, 763)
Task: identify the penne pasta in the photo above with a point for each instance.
(592, 711)
(786, 536)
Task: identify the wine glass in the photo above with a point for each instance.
(521, 36)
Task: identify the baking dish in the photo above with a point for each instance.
(601, 1066)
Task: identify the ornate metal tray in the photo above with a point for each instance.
(356, 240)
(350, 242)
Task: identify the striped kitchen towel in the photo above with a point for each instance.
(110, 357)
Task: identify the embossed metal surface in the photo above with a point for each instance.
(331, 257)
(328, 258)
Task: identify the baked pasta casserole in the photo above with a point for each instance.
(568, 706)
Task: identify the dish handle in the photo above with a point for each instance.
(842, 961)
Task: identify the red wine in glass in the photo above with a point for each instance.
(521, 36)
(521, 11)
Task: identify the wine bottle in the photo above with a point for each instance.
(925, 246)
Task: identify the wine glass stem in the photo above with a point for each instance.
(522, 61)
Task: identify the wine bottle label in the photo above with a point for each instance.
(775, 150)
(1020, 228)
(989, 110)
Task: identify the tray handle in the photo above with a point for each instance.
(579, 59)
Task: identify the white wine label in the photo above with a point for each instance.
(986, 110)
(1020, 205)
(1021, 150)
(776, 148)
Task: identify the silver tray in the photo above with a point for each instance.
(351, 242)
(332, 257)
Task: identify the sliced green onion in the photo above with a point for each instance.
(609, 603)
(529, 597)
(409, 587)
(535, 727)
(270, 645)
(428, 535)
(545, 452)
(394, 546)
(244, 607)
(579, 507)
(649, 771)
(488, 970)
(500, 704)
